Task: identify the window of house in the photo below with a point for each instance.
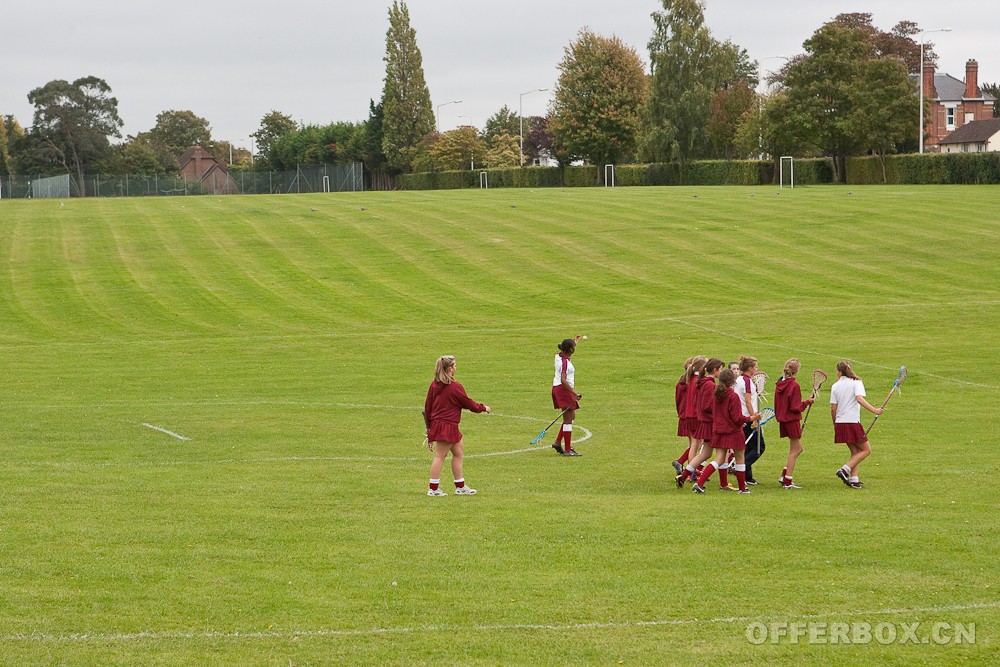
(969, 117)
(949, 118)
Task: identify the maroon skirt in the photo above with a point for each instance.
(852, 433)
(563, 398)
(692, 426)
(704, 431)
(790, 429)
(734, 440)
(682, 427)
(442, 431)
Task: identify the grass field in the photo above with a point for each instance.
(290, 340)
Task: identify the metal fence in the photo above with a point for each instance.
(321, 178)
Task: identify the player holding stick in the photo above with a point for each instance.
(683, 430)
(564, 396)
(847, 397)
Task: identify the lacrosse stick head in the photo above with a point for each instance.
(766, 415)
(759, 379)
(899, 380)
(819, 377)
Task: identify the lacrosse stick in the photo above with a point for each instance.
(766, 415)
(819, 377)
(895, 388)
(759, 379)
(558, 417)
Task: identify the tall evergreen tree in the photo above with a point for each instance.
(688, 66)
(406, 101)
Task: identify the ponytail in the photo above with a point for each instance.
(697, 364)
(792, 367)
(846, 370)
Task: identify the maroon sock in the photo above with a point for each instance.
(741, 477)
(724, 477)
(709, 469)
(682, 459)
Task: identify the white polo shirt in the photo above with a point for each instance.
(844, 393)
(743, 386)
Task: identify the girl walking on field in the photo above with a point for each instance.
(705, 402)
(788, 407)
(683, 431)
(749, 401)
(847, 397)
(727, 432)
(442, 413)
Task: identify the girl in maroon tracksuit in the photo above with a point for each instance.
(788, 407)
(727, 432)
(706, 385)
(442, 412)
(683, 431)
(691, 409)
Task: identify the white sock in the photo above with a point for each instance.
(854, 479)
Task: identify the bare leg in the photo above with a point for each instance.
(441, 450)
(457, 456)
(794, 449)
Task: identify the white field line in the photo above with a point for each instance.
(596, 625)
(163, 430)
(284, 459)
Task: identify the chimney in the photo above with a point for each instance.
(929, 91)
(972, 80)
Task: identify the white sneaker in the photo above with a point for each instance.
(465, 491)
(790, 486)
(436, 492)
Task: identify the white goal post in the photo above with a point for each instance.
(609, 182)
(791, 171)
(484, 181)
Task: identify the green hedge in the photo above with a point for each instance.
(927, 169)
(703, 172)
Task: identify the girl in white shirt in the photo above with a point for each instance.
(847, 397)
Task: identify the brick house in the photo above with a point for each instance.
(952, 103)
(200, 166)
(979, 136)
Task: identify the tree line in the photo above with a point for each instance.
(851, 92)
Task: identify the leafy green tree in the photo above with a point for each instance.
(273, 126)
(406, 101)
(885, 108)
(72, 123)
(134, 156)
(598, 99)
(504, 121)
(688, 67)
(10, 135)
(174, 133)
(371, 143)
(505, 151)
(458, 149)
(317, 144)
(727, 109)
(821, 93)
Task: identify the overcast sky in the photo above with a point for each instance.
(231, 62)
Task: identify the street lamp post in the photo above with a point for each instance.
(520, 116)
(920, 84)
(439, 112)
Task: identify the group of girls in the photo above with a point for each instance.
(718, 412)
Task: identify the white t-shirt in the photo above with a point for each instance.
(743, 386)
(563, 364)
(844, 393)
